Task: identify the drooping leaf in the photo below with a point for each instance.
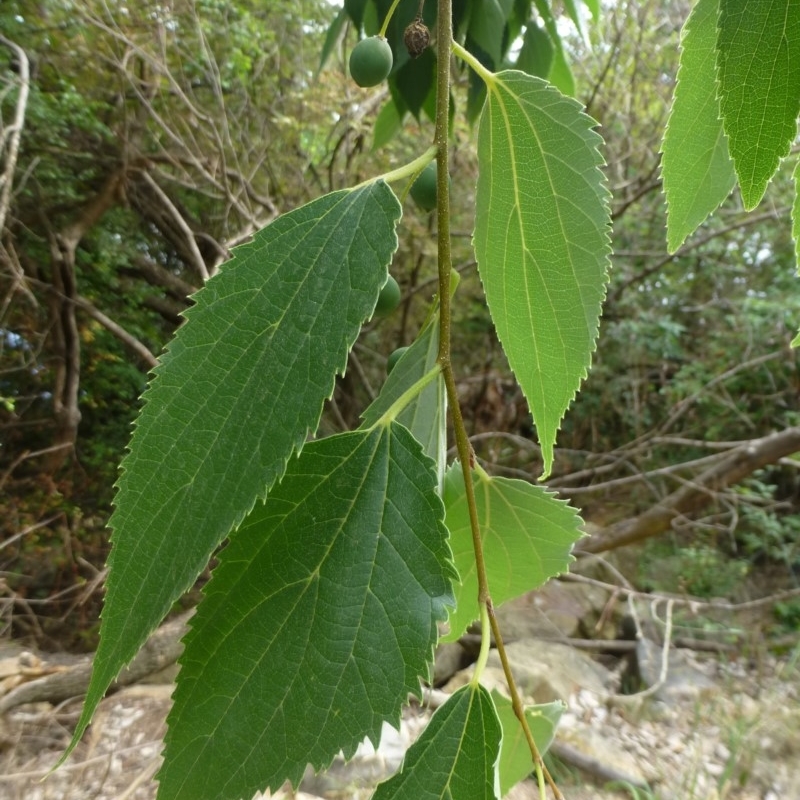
(355, 10)
(594, 8)
(571, 7)
(332, 37)
(456, 755)
(560, 72)
(536, 54)
(318, 622)
(541, 239)
(238, 390)
(527, 537)
(758, 65)
(516, 762)
(425, 415)
(415, 79)
(697, 170)
(387, 124)
(487, 25)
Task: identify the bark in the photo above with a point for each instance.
(64, 335)
(741, 462)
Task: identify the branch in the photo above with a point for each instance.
(740, 462)
(14, 131)
(197, 258)
(161, 649)
(126, 338)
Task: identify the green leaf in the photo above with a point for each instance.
(456, 755)
(571, 8)
(560, 73)
(318, 622)
(536, 54)
(355, 10)
(594, 8)
(516, 762)
(388, 123)
(238, 391)
(425, 415)
(527, 537)
(415, 79)
(332, 38)
(541, 239)
(487, 25)
(697, 170)
(758, 64)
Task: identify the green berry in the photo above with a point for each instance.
(371, 61)
(388, 299)
(423, 190)
(394, 358)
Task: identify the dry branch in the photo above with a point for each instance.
(160, 650)
(740, 462)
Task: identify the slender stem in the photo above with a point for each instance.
(444, 42)
(388, 19)
(483, 656)
(412, 169)
(445, 45)
(519, 707)
(407, 396)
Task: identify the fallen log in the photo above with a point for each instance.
(64, 682)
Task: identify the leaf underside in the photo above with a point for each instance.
(758, 64)
(516, 762)
(425, 415)
(456, 755)
(527, 537)
(541, 239)
(318, 622)
(697, 170)
(238, 390)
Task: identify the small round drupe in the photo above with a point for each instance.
(394, 358)
(388, 299)
(371, 61)
(423, 190)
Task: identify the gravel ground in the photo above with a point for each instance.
(739, 741)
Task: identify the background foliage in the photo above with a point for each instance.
(160, 140)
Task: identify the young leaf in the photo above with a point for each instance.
(541, 239)
(758, 64)
(456, 755)
(238, 390)
(697, 170)
(527, 538)
(318, 622)
(516, 762)
(425, 415)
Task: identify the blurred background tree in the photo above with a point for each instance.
(154, 137)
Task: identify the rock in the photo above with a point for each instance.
(558, 609)
(683, 680)
(548, 671)
(448, 659)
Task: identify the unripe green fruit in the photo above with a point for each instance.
(371, 61)
(388, 299)
(394, 358)
(423, 190)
